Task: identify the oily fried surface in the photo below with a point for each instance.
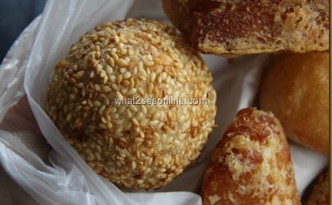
(247, 27)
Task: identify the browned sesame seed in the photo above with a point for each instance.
(138, 146)
(135, 122)
(122, 62)
(106, 89)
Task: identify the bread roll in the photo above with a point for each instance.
(135, 102)
(296, 90)
(251, 165)
(233, 27)
(319, 194)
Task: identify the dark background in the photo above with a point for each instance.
(15, 15)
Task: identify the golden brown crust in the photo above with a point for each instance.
(246, 27)
(296, 90)
(319, 194)
(115, 98)
(251, 164)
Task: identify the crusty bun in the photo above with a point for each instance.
(251, 165)
(319, 193)
(245, 27)
(135, 102)
(296, 90)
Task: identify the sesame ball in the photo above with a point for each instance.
(135, 102)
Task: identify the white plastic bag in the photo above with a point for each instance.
(59, 175)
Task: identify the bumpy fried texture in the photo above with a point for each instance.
(296, 90)
(111, 99)
(251, 165)
(319, 194)
(234, 27)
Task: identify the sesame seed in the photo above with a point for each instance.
(79, 74)
(126, 75)
(150, 87)
(144, 122)
(132, 91)
(117, 39)
(97, 87)
(71, 97)
(92, 74)
(143, 109)
(140, 65)
(110, 61)
(125, 83)
(153, 76)
(123, 70)
(109, 125)
(99, 68)
(121, 109)
(154, 122)
(130, 52)
(106, 89)
(115, 57)
(135, 122)
(115, 87)
(119, 95)
(141, 134)
(132, 83)
(140, 91)
(143, 72)
(97, 104)
(101, 110)
(122, 62)
(133, 165)
(128, 113)
(135, 70)
(68, 117)
(119, 79)
(102, 74)
(132, 42)
(126, 59)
